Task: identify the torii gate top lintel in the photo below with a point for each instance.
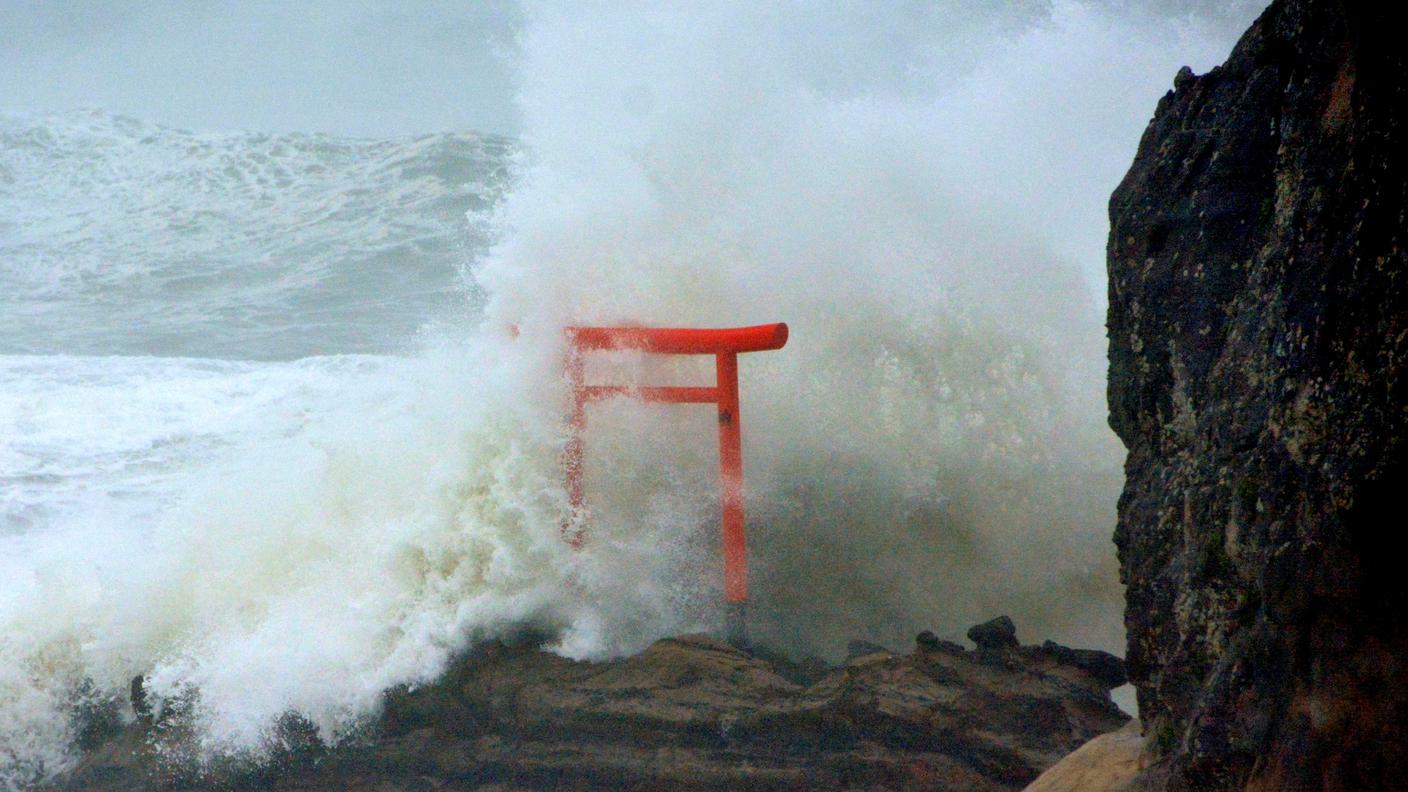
(680, 340)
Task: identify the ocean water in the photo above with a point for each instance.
(265, 440)
(175, 307)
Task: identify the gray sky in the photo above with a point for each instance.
(351, 67)
(369, 68)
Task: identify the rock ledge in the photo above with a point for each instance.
(687, 713)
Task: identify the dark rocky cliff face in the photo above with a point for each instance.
(1258, 350)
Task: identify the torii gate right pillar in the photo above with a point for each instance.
(731, 480)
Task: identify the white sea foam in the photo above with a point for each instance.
(307, 571)
(920, 196)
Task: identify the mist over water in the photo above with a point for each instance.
(342, 470)
(921, 197)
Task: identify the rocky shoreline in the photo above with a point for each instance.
(687, 713)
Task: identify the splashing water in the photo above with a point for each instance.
(291, 516)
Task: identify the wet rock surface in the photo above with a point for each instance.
(1108, 763)
(687, 713)
(1258, 328)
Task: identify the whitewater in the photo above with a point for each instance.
(266, 441)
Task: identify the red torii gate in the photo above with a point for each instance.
(725, 345)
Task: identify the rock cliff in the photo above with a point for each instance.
(1258, 327)
(688, 713)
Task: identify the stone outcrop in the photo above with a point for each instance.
(688, 713)
(1109, 763)
(1258, 328)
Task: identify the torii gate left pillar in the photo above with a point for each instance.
(725, 345)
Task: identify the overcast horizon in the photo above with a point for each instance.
(367, 68)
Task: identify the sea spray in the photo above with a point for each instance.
(919, 196)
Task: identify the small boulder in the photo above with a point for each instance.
(1183, 79)
(1102, 665)
(995, 635)
(927, 641)
(861, 648)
